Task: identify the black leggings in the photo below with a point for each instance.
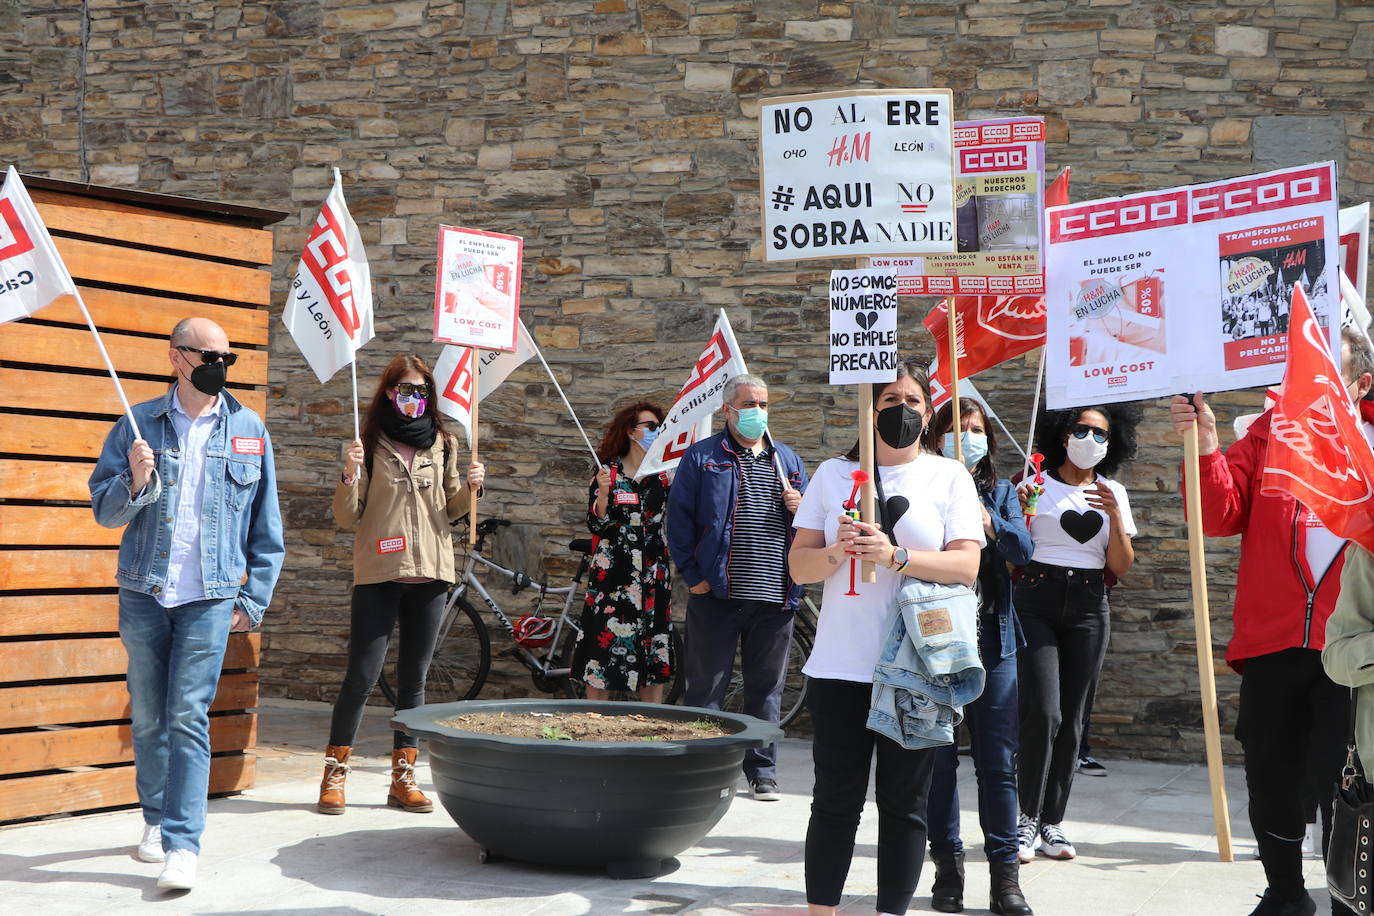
(377, 608)
(1065, 618)
(1293, 724)
(842, 750)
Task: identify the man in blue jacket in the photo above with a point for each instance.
(200, 555)
(729, 528)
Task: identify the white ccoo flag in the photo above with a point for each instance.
(329, 307)
(699, 398)
(453, 375)
(32, 274)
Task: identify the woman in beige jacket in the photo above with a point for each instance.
(400, 489)
(1349, 654)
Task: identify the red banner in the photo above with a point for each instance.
(1317, 450)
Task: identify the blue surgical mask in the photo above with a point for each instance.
(973, 447)
(647, 437)
(751, 422)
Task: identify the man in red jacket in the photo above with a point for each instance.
(1293, 719)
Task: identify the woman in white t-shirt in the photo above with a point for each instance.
(1082, 531)
(931, 506)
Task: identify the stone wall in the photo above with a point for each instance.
(618, 137)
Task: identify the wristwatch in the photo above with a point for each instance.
(900, 556)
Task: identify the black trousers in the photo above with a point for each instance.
(762, 632)
(1066, 621)
(1293, 725)
(377, 609)
(842, 750)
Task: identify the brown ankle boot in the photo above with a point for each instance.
(332, 785)
(405, 794)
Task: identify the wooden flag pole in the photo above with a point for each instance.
(474, 360)
(868, 503)
(956, 426)
(353, 373)
(1202, 625)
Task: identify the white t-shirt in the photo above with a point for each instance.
(1069, 532)
(932, 500)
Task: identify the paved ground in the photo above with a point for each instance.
(1144, 837)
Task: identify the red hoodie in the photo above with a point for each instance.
(1279, 603)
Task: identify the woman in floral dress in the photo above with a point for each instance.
(627, 629)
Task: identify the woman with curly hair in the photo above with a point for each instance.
(1082, 528)
(626, 643)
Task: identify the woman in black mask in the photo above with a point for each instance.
(932, 529)
(401, 486)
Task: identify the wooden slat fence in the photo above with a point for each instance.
(142, 262)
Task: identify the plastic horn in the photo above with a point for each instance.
(1037, 485)
(851, 508)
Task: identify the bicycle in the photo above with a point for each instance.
(462, 654)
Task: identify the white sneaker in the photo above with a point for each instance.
(179, 874)
(1027, 838)
(150, 847)
(1054, 844)
(1309, 843)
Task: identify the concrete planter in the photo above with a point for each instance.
(624, 805)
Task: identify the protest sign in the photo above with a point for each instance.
(1186, 289)
(857, 173)
(1355, 247)
(863, 326)
(720, 361)
(477, 293)
(999, 194)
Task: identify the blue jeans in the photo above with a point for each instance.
(175, 655)
(992, 725)
(763, 633)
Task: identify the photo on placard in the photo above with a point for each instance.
(1118, 316)
(1258, 269)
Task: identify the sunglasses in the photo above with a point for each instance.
(210, 356)
(651, 425)
(1081, 431)
(410, 389)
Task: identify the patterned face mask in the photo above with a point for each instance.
(411, 405)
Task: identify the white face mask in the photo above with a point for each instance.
(1085, 453)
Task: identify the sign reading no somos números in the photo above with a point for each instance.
(863, 326)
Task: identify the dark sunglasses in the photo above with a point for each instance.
(210, 356)
(1081, 430)
(650, 425)
(410, 389)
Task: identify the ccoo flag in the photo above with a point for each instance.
(453, 375)
(32, 274)
(1317, 452)
(329, 308)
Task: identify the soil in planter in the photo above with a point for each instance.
(586, 726)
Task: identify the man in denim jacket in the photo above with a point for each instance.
(201, 551)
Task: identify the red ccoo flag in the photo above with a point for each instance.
(1317, 450)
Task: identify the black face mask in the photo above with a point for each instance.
(210, 379)
(900, 426)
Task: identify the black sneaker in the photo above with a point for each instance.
(764, 790)
(1273, 905)
(1089, 766)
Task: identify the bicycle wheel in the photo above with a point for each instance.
(577, 690)
(461, 660)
